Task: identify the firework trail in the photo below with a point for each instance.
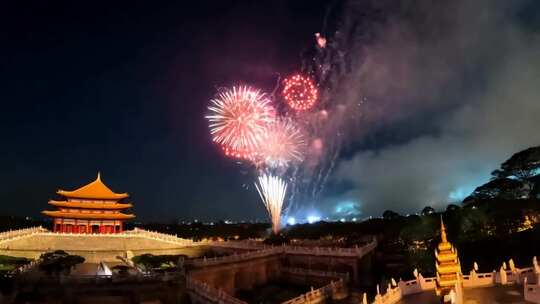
(272, 190)
(329, 63)
(238, 119)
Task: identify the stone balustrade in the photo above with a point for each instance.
(8, 236)
(15, 234)
(332, 251)
(334, 290)
(201, 292)
(271, 250)
(322, 251)
(163, 237)
(316, 273)
(531, 292)
(246, 244)
(473, 280)
(234, 258)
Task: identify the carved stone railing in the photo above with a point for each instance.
(473, 280)
(170, 238)
(20, 233)
(202, 262)
(201, 292)
(332, 251)
(268, 251)
(321, 251)
(245, 245)
(9, 236)
(316, 273)
(334, 289)
(531, 292)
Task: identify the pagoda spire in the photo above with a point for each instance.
(443, 232)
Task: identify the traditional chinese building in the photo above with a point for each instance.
(449, 284)
(93, 208)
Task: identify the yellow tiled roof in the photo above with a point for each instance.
(96, 190)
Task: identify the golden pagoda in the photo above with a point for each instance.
(93, 208)
(448, 267)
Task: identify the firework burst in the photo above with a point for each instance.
(238, 119)
(300, 92)
(272, 190)
(282, 144)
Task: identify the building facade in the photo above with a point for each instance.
(93, 208)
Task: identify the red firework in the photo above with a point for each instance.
(300, 92)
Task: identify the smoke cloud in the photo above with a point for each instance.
(451, 90)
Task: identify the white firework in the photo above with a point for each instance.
(272, 190)
(238, 119)
(282, 144)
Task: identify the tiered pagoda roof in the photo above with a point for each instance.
(111, 206)
(97, 216)
(93, 196)
(448, 266)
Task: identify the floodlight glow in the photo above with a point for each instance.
(313, 219)
(291, 221)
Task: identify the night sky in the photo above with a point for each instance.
(122, 88)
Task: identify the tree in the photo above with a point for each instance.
(522, 165)
(501, 188)
(390, 215)
(150, 261)
(452, 208)
(428, 210)
(59, 261)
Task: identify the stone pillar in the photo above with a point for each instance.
(503, 276)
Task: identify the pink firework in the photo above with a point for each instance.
(283, 143)
(238, 119)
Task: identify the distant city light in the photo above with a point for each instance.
(313, 219)
(354, 219)
(342, 220)
(291, 221)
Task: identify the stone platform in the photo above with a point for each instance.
(99, 247)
